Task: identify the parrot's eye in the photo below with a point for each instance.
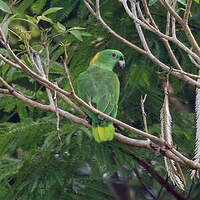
(114, 55)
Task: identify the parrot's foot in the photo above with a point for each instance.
(100, 122)
(117, 127)
(89, 120)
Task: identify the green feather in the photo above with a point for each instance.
(99, 86)
(103, 133)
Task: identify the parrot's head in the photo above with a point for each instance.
(108, 59)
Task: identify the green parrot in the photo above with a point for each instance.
(99, 87)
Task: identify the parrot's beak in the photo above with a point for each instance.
(121, 63)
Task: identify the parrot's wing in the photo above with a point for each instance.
(100, 88)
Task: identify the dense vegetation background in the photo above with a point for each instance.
(34, 163)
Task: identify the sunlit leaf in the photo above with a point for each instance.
(51, 10)
(44, 18)
(61, 27)
(4, 7)
(26, 20)
(76, 34)
(38, 6)
(5, 26)
(151, 2)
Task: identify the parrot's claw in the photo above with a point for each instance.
(89, 120)
(117, 127)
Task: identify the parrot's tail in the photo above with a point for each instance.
(103, 133)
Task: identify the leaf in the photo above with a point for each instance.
(77, 34)
(76, 28)
(4, 7)
(5, 29)
(61, 27)
(44, 18)
(183, 2)
(27, 20)
(51, 10)
(5, 26)
(68, 138)
(38, 6)
(24, 5)
(33, 19)
(151, 2)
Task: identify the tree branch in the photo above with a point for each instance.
(142, 183)
(156, 176)
(187, 12)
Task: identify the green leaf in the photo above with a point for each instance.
(5, 29)
(184, 2)
(151, 2)
(61, 27)
(68, 138)
(77, 34)
(5, 26)
(26, 20)
(76, 28)
(38, 6)
(33, 19)
(4, 7)
(51, 10)
(44, 18)
(197, 1)
(24, 5)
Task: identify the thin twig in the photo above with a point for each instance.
(9, 62)
(187, 12)
(89, 7)
(142, 101)
(138, 27)
(168, 23)
(171, 10)
(161, 188)
(156, 176)
(5, 19)
(186, 73)
(190, 190)
(71, 104)
(47, 60)
(39, 62)
(144, 2)
(57, 113)
(39, 67)
(173, 21)
(193, 61)
(142, 183)
(30, 53)
(67, 73)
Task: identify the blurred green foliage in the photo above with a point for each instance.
(34, 164)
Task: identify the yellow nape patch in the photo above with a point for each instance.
(94, 58)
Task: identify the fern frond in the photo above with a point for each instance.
(175, 174)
